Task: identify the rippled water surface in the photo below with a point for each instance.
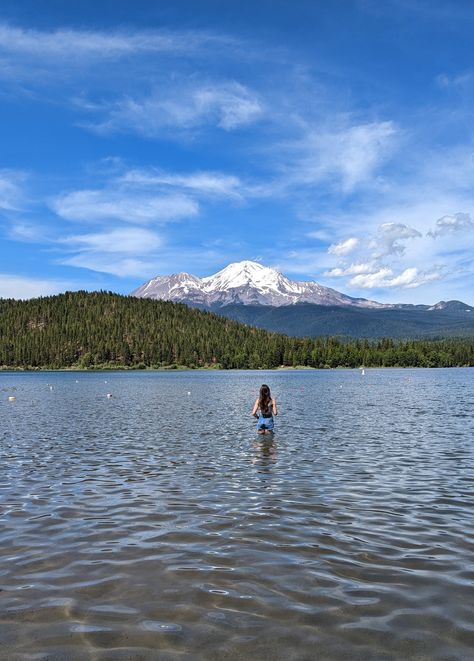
(156, 524)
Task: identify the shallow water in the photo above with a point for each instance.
(156, 524)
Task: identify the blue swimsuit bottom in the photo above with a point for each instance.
(265, 423)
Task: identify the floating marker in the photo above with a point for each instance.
(50, 387)
(109, 395)
(363, 372)
(12, 398)
(189, 392)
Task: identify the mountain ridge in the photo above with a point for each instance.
(309, 320)
(251, 283)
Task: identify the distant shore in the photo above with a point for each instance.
(186, 368)
(165, 368)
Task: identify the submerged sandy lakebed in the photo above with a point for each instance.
(156, 524)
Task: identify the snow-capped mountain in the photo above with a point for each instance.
(246, 283)
(260, 296)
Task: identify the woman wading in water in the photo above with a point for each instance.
(264, 409)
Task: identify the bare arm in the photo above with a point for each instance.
(274, 407)
(255, 408)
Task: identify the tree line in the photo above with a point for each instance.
(102, 329)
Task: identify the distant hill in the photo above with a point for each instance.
(99, 329)
(304, 319)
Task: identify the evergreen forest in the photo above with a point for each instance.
(104, 330)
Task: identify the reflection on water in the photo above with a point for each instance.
(265, 453)
(157, 524)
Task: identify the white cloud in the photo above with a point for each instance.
(118, 251)
(344, 247)
(370, 280)
(11, 190)
(144, 197)
(126, 240)
(353, 269)
(458, 222)
(163, 86)
(113, 264)
(27, 232)
(204, 183)
(409, 244)
(320, 235)
(227, 105)
(232, 103)
(76, 44)
(17, 286)
(358, 152)
(348, 156)
(107, 204)
(389, 237)
(154, 89)
(384, 278)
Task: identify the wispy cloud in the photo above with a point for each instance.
(124, 252)
(11, 191)
(201, 182)
(134, 240)
(26, 231)
(154, 89)
(353, 269)
(93, 206)
(120, 266)
(187, 107)
(347, 156)
(198, 259)
(389, 237)
(459, 222)
(457, 82)
(344, 247)
(311, 156)
(74, 44)
(146, 196)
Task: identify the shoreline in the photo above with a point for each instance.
(185, 368)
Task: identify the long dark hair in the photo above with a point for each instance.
(264, 399)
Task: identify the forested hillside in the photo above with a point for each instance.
(100, 329)
(315, 320)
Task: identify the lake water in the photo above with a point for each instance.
(156, 524)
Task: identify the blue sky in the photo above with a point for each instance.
(332, 140)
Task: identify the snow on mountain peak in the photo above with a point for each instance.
(243, 274)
